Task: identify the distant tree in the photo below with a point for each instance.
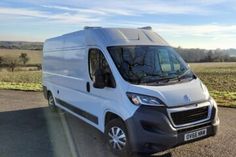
(203, 55)
(11, 62)
(23, 58)
(1, 60)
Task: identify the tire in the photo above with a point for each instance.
(51, 103)
(116, 136)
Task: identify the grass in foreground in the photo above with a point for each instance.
(21, 76)
(21, 80)
(224, 98)
(21, 86)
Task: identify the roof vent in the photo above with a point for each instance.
(146, 27)
(89, 27)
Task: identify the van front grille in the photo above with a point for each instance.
(189, 116)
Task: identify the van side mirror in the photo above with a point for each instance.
(99, 81)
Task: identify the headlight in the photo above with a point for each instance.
(138, 99)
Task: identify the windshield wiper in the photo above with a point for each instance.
(149, 80)
(166, 79)
(163, 79)
(175, 78)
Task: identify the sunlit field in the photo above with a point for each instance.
(220, 78)
(35, 56)
(21, 80)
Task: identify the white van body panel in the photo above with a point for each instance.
(183, 105)
(66, 74)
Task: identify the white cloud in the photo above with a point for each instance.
(105, 9)
(60, 17)
(210, 36)
(21, 12)
(81, 10)
(160, 8)
(129, 8)
(211, 2)
(209, 30)
(99, 11)
(204, 30)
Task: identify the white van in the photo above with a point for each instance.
(129, 84)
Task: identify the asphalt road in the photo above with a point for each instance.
(29, 129)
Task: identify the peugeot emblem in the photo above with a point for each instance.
(186, 98)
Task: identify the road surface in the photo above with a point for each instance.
(28, 128)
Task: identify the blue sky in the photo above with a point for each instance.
(187, 23)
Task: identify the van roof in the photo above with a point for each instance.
(114, 36)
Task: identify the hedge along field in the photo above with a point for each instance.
(220, 79)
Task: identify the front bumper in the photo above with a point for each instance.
(150, 129)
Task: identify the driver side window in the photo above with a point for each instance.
(98, 61)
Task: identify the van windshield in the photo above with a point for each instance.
(150, 64)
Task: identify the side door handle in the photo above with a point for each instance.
(88, 87)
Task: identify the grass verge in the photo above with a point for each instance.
(21, 86)
(224, 98)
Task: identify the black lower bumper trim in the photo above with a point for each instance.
(151, 131)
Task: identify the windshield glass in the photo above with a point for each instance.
(148, 64)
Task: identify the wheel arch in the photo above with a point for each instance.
(110, 116)
(46, 92)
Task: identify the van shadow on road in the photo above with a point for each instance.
(39, 132)
(89, 141)
(31, 133)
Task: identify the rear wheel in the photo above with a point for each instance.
(51, 102)
(117, 137)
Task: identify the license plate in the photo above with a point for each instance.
(195, 134)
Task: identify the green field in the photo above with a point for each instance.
(220, 78)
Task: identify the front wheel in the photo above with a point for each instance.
(117, 137)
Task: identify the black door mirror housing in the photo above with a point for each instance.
(99, 81)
